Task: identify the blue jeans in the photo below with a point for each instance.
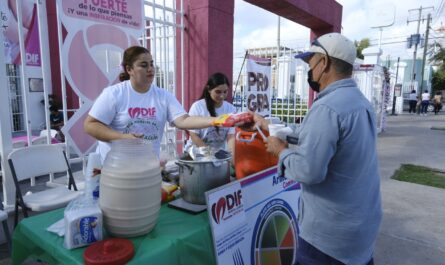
(425, 104)
(310, 255)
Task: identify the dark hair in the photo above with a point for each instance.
(215, 80)
(130, 56)
(413, 91)
(341, 67)
(53, 108)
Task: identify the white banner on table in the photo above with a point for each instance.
(258, 91)
(253, 221)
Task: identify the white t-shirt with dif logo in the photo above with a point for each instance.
(127, 111)
(211, 136)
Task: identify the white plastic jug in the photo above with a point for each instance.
(130, 188)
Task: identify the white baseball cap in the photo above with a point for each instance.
(335, 45)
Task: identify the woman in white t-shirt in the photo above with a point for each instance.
(425, 102)
(212, 103)
(137, 108)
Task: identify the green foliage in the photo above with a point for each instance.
(420, 175)
(289, 112)
(361, 45)
(438, 80)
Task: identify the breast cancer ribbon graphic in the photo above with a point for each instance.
(86, 77)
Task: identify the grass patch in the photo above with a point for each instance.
(420, 175)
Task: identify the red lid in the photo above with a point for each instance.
(113, 251)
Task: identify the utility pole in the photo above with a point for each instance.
(425, 48)
(417, 39)
(394, 89)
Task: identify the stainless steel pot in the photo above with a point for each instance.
(197, 177)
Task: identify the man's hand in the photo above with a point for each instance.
(274, 145)
(257, 120)
(261, 121)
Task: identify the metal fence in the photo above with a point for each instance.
(290, 91)
(164, 19)
(15, 98)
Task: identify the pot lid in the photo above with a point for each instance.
(113, 251)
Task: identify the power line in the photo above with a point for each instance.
(404, 41)
(439, 9)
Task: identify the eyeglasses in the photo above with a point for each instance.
(318, 44)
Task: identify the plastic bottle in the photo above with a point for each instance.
(91, 177)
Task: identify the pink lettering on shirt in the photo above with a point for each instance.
(141, 112)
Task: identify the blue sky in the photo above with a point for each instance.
(255, 27)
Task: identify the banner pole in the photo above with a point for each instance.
(239, 75)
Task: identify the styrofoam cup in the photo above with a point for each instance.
(274, 128)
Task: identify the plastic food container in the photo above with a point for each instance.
(250, 153)
(130, 188)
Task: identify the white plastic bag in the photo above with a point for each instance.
(83, 223)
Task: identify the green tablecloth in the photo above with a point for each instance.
(178, 238)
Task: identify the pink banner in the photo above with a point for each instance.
(30, 30)
(98, 32)
(115, 12)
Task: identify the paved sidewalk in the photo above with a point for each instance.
(413, 228)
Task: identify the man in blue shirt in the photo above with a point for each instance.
(335, 161)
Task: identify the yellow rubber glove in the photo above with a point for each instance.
(219, 121)
(232, 120)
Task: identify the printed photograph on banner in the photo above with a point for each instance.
(9, 24)
(98, 32)
(258, 91)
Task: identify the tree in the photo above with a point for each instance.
(361, 45)
(438, 80)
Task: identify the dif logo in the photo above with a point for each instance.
(32, 59)
(141, 112)
(227, 202)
